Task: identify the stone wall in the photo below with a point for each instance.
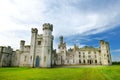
(85, 56)
(5, 56)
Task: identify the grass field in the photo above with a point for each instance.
(82, 73)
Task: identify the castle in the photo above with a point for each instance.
(40, 52)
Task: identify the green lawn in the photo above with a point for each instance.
(82, 73)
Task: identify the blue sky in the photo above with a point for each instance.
(81, 22)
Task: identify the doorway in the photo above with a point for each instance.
(90, 61)
(37, 61)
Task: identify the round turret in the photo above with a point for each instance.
(61, 39)
(101, 41)
(47, 26)
(34, 30)
(22, 42)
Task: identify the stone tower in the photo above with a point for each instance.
(47, 46)
(105, 53)
(22, 43)
(62, 51)
(34, 33)
(41, 47)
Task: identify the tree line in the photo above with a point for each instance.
(116, 63)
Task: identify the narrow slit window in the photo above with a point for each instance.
(39, 42)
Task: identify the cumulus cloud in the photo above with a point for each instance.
(117, 50)
(82, 16)
(69, 17)
(116, 55)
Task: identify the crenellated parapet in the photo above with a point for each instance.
(47, 26)
(34, 30)
(61, 39)
(61, 44)
(103, 44)
(105, 53)
(22, 43)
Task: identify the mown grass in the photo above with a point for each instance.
(82, 73)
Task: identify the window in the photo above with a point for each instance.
(89, 56)
(31, 58)
(83, 53)
(39, 42)
(107, 51)
(84, 61)
(79, 56)
(79, 61)
(95, 61)
(83, 56)
(25, 58)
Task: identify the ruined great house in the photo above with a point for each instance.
(40, 52)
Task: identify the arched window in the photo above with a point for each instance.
(79, 61)
(84, 61)
(95, 61)
(25, 58)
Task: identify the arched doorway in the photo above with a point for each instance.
(37, 61)
(90, 61)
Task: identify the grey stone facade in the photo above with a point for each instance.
(84, 56)
(40, 52)
(5, 56)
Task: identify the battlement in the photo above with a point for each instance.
(103, 42)
(61, 39)
(34, 30)
(47, 26)
(22, 42)
(6, 49)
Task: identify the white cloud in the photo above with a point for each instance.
(69, 17)
(115, 54)
(117, 51)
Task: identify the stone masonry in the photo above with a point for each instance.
(40, 52)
